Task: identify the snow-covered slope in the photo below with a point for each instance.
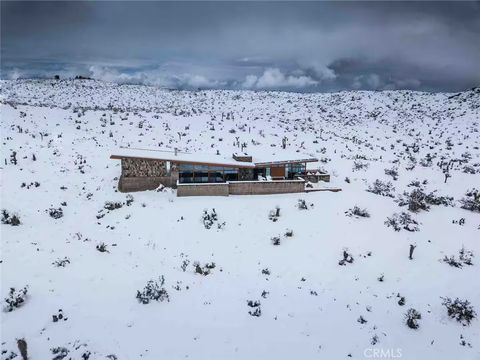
(57, 137)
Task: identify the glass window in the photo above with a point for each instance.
(185, 167)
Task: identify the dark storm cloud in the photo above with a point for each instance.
(302, 46)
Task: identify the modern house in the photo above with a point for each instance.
(197, 174)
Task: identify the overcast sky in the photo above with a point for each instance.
(299, 46)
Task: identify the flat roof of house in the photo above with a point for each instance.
(196, 158)
(181, 157)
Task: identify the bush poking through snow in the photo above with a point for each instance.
(302, 204)
(55, 213)
(59, 352)
(112, 205)
(412, 316)
(361, 320)
(417, 200)
(102, 247)
(471, 201)
(256, 306)
(205, 270)
(275, 240)
(347, 258)
(357, 212)
(129, 200)
(9, 219)
(209, 219)
(359, 165)
(61, 262)
(392, 172)
(464, 258)
(460, 310)
(154, 290)
(274, 214)
(15, 298)
(402, 221)
(382, 188)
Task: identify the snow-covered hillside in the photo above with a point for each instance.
(339, 287)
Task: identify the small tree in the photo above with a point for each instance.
(412, 316)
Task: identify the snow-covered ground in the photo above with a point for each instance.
(62, 134)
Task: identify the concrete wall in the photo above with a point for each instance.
(131, 184)
(266, 187)
(219, 189)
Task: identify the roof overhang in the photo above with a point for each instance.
(285, 162)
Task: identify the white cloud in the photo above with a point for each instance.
(250, 81)
(14, 74)
(273, 78)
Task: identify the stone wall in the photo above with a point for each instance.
(219, 189)
(146, 174)
(143, 168)
(266, 187)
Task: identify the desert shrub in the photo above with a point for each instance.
(10, 219)
(302, 204)
(471, 201)
(358, 212)
(102, 247)
(129, 200)
(467, 169)
(359, 165)
(347, 258)
(256, 306)
(59, 352)
(266, 271)
(275, 240)
(433, 199)
(288, 233)
(61, 262)
(412, 316)
(392, 172)
(418, 200)
(205, 269)
(415, 200)
(460, 310)
(464, 258)
(184, 265)
(55, 213)
(210, 219)
(362, 320)
(274, 214)
(402, 221)
(15, 298)
(382, 188)
(112, 205)
(154, 290)
(59, 316)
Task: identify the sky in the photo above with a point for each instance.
(274, 45)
